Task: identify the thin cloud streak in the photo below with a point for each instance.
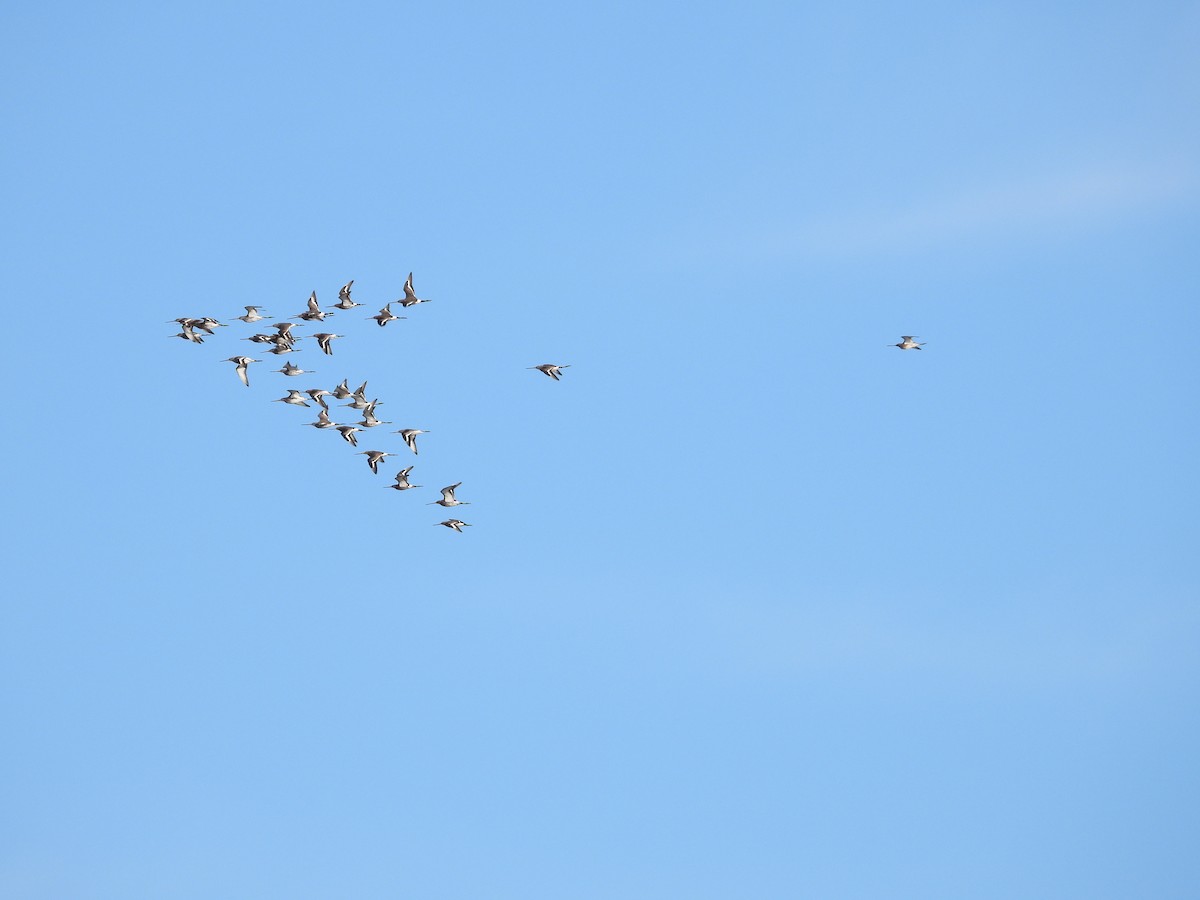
(1026, 653)
(1067, 203)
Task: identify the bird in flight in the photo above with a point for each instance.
(549, 369)
(410, 437)
(242, 363)
(402, 481)
(252, 315)
(314, 312)
(323, 340)
(374, 458)
(385, 315)
(344, 301)
(448, 499)
(410, 296)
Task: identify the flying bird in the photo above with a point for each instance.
(548, 369)
(374, 458)
(369, 420)
(402, 481)
(344, 301)
(206, 324)
(293, 370)
(385, 315)
(242, 363)
(252, 315)
(323, 420)
(907, 342)
(295, 398)
(284, 328)
(323, 339)
(347, 433)
(319, 395)
(448, 498)
(410, 437)
(314, 312)
(456, 524)
(410, 296)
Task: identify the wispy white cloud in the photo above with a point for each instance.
(1041, 649)
(1068, 201)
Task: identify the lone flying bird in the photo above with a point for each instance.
(549, 369)
(907, 342)
(456, 524)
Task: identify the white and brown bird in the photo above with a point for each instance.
(410, 437)
(342, 391)
(294, 398)
(908, 342)
(314, 311)
(242, 363)
(292, 370)
(319, 395)
(374, 458)
(358, 399)
(284, 329)
(323, 420)
(252, 315)
(402, 481)
(207, 324)
(386, 315)
(549, 369)
(369, 420)
(344, 301)
(347, 433)
(456, 524)
(410, 296)
(323, 341)
(448, 499)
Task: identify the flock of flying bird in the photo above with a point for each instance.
(283, 341)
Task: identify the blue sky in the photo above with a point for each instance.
(752, 604)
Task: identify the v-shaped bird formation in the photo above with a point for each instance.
(283, 341)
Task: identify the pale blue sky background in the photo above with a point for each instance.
(752, 605)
